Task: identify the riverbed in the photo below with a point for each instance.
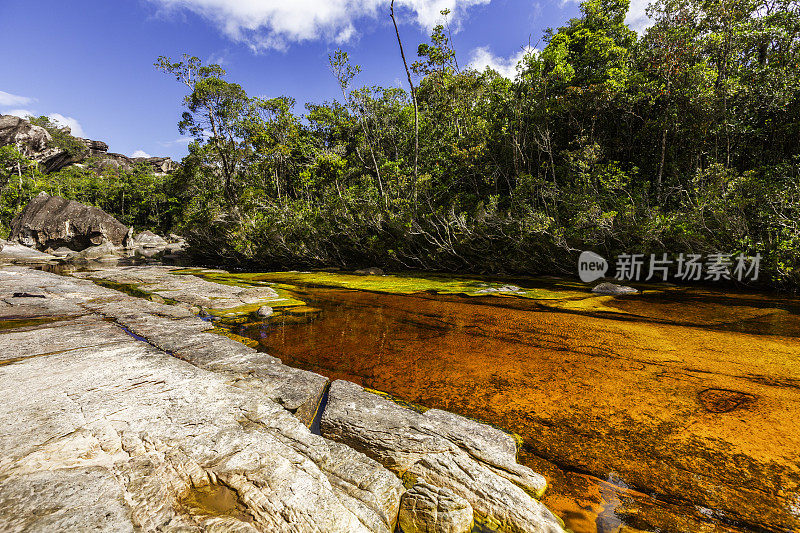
(672, 410)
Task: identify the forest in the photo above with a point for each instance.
(685, 138)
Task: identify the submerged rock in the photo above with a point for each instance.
(613, 289)
(428, 509)
(503, 289)
(264, 311)
(52, 222)
(473, 460)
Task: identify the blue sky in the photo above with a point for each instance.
(89, 64)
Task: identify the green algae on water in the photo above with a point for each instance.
(284, 299)
(17, 323)
(132, 289)
(402, 283)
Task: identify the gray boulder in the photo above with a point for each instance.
(30, 140)
(473, 460)
(35, 142)
(63, 251)
(613, 289)
(52, 222)
(148, 239)
(428, 509)
(371, 271)
(159, 165)
(101, 251)
(264, 311)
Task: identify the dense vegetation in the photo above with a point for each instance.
(686, 139)
(683, 139)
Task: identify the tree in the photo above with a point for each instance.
(345, 72)
(215, 110)
(413, 98)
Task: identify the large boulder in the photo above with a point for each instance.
(36, 143)
(472, 460)
(52, 222)
(148, 239)
(29, 139)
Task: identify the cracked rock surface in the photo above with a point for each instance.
(428, 509)
(102, 431)
(187, 289)
(474, 461)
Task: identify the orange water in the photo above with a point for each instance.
(671, 411)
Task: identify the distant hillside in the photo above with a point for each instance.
(37, 155)
(54, 147)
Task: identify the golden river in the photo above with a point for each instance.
(676, 409)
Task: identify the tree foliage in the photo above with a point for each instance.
(683, 139)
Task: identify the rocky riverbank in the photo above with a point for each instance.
(127, 414)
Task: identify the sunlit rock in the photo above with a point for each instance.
(428, 509)
(103, 430)
(264, 311)
(474, 461)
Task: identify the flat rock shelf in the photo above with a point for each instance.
(124, 414)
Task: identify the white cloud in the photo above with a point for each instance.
(8, 99)
(637, 18)
(482, 57)
(21, 113)
(274, 24)
(218, 59)
(140, 153)
(180, 140)
(74, 125)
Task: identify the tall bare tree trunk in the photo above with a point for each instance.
(413, 99)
